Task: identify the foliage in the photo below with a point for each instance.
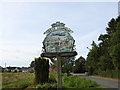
(41, 70)
(67, 64)
(70, 64)
(114, 49)
(53, 77)
(32, 64)
(109, 73)
(105, 57)
(92, 59)
(79, 65)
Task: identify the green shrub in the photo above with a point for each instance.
(41, 70)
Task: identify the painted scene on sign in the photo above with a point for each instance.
(58, 41)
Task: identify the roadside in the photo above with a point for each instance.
(115, 79)
(102, 81)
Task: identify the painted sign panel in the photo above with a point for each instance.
(58, 41)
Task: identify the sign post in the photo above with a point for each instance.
(58, 43)
(59, 74)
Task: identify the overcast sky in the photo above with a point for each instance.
(22, 26)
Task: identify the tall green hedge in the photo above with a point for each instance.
(41, 70)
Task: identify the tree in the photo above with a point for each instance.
(79, 65)
(67, 64)
(105, 56)
(114, 49)
(108, 45)
(32, 64)
(92, 59)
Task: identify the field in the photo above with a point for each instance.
(21, 80)
(26, 80)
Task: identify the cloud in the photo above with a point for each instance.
(84, 41)
(18, 55)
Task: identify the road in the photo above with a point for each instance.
(105, 83)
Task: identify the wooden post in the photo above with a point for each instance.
(58, 63)
(59, 74)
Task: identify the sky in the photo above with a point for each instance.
(22, 25)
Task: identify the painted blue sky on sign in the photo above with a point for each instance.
(22, 26)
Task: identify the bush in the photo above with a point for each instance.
(41, 70)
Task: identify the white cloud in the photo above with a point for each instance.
(21, 55)
(84, 41)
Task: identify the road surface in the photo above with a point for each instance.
(105, 83)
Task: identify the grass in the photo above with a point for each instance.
(24, 80)
(78, 82)
(17, 79)
(53, 77)
(46, 86)
(69, 82)
(19, 84)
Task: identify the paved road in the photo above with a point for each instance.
(105, 83)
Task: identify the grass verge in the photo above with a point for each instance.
(69, 82)
(24, 80)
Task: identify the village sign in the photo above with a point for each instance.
(58, 43)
